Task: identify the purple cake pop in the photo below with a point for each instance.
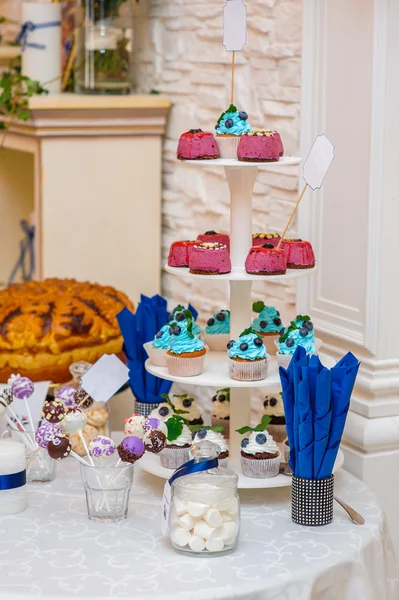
(21, 387)
(46, 433)
(66, 394)
(131, 449)
(101, 447)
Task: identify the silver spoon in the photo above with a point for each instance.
(353, 515)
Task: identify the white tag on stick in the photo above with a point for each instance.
(235, 25)
(165, 508)
(105, 378)
(318, 162)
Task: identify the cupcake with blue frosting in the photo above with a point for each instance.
(300, 332)
(159, 346)
(267, 324)
(217, 330)
(231, 125)
(247, 357)
(186, 354)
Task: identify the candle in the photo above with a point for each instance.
(12, 477)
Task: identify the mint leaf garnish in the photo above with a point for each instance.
(261, 427)
(175, 428)
(258, 306)
(217, 428)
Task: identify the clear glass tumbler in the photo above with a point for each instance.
(107, 491)
(40, 468)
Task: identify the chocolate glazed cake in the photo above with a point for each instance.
(47, 325)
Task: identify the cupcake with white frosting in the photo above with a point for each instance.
(221, 411)
(190, 409)
(260, 456)
(210, 435)
(178, 443)
(273, 406)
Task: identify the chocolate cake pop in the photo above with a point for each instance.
(131, 449)
(59, 447)
(83, 400)
(46, 433)
(154, 441)
(53, 412)
(101, 447)
(74, 421)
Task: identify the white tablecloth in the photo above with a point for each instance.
(52, 551)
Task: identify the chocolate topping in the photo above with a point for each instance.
(195, 131)
(211, 232)
(267, 246)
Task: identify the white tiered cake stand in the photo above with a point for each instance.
(241, 178)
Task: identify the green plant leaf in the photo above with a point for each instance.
(244, 430)
(261, 427)
(188, 314)
(175, 428)
(247, 331)
(258, 306)
(231, 108)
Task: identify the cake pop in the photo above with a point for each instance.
(131, 449)
(157, 424)
(53, 412)
(154, 441)
(74, 421)
(5, 401)
(135, 426)
(46, 433)
(83, 400)
(102, 447)
(59, 447)
(66, 394)
(22, 388)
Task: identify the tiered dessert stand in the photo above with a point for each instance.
(241, 178)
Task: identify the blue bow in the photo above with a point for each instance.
(27, 28)
(194, 467)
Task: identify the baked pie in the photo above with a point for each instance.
(47, 325)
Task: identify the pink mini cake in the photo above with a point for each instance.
(299, 254)
(261, 145)
(197, 145)
(258, 239)
(266, 260)
(209, 259)
(213, 236)
(179, 253)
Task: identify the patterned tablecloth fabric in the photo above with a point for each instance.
(52, 551)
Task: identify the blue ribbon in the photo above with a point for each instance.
(12, 481)
(194, 467)
(27, 28)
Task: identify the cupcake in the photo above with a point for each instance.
(178, 443)
(273, 406)
(230, 126)
(267, 324)
(157, 349)
(286, 449)
(247, 357)
(221, 411)
(299, 333)
(260, 456)
(197, 145)
(188, 406)
(186, 355)
(217, 330)
(210, 435)
(181, 315)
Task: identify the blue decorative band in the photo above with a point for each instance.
(12, 481)
(28, 27)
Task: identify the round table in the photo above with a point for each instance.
(53, 551)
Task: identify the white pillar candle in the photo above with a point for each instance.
(12, 461)
(43, 65)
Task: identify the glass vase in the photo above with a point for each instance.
(103, 37)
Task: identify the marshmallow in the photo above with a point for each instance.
(196, 543)
(228, 532)
(215, 544)
(226, 516)
(222, 504)
(203, 530)
(197, 509)
(213, 517)
(233, 508)
(187, 521)
(180, 536)
(180, 506)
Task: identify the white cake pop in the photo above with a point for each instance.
(75, 420)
